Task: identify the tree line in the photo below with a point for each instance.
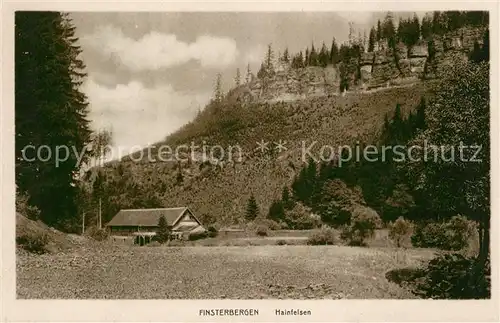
(407, 30)
(423, 191)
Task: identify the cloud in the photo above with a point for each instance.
(255, 54)
(137, 115)
(156, 50)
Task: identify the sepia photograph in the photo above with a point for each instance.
(230, 155)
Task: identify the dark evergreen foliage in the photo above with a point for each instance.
(49, 110)
(163, 232)
(252, 210)
(334, 52)
(371, 39)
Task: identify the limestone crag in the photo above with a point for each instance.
(384, 67)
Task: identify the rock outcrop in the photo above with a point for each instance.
(384, 67)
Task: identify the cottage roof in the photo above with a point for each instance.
(146, 217)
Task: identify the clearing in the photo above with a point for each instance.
(234, 272)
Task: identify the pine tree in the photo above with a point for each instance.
(420, 115)
(163, 232)
(248, 77)
(299, 185)
(262, 71)
(323, 56)
(426, 29)
(306, 60)
(351, 33)
(237, 78)
(438, 26)
(276, 211)
(286, 199)
(389, 30)
(313, 57)
(365, 40)
(286, 56)
(51, 110)
(379, 30)
(409, 31)
(371, 40)
(415, 28)
(252, 210)
(269, 59)
(218, 94)
(334, 52)
(397, 124)
(179, 178)
(298, 60)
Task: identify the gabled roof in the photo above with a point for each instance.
(147, 217)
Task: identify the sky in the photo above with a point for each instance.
(149, 73)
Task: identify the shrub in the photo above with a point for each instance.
(261, 231)
(36, 243)
(267, 223)
(97, 234)
(24, 208)
(459, 230)
(454, 276)
(300, 218)
(364, 221)
(323, 236)
(452, 235)
(197, 235)
(399, 231)
(281, 243)
(212, 232)
(154, 244)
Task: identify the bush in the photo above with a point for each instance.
(24, 208)
(212, 232)
(399, 231)
(268, 223)
(281, 243)
(261, 231)
(300, 218)
(454, 276)
(197, 235)
(323, 236)
(452, 235)
(36, 243)
(364, 221)
(97, 234)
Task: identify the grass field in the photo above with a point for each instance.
(241, 272)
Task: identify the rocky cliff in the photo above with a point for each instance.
(384, 67)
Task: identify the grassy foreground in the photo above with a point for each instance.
(252, 272)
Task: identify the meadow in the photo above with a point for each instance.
(244, 270)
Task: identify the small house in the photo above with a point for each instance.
(143, 223)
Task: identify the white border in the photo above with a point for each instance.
(13, 310)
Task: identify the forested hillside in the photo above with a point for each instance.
(383, 137)
(218, 190)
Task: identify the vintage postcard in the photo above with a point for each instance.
(250, 162)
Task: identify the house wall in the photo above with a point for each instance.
(186, 219)
(129, 230)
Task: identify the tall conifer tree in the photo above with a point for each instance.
(50, 110)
